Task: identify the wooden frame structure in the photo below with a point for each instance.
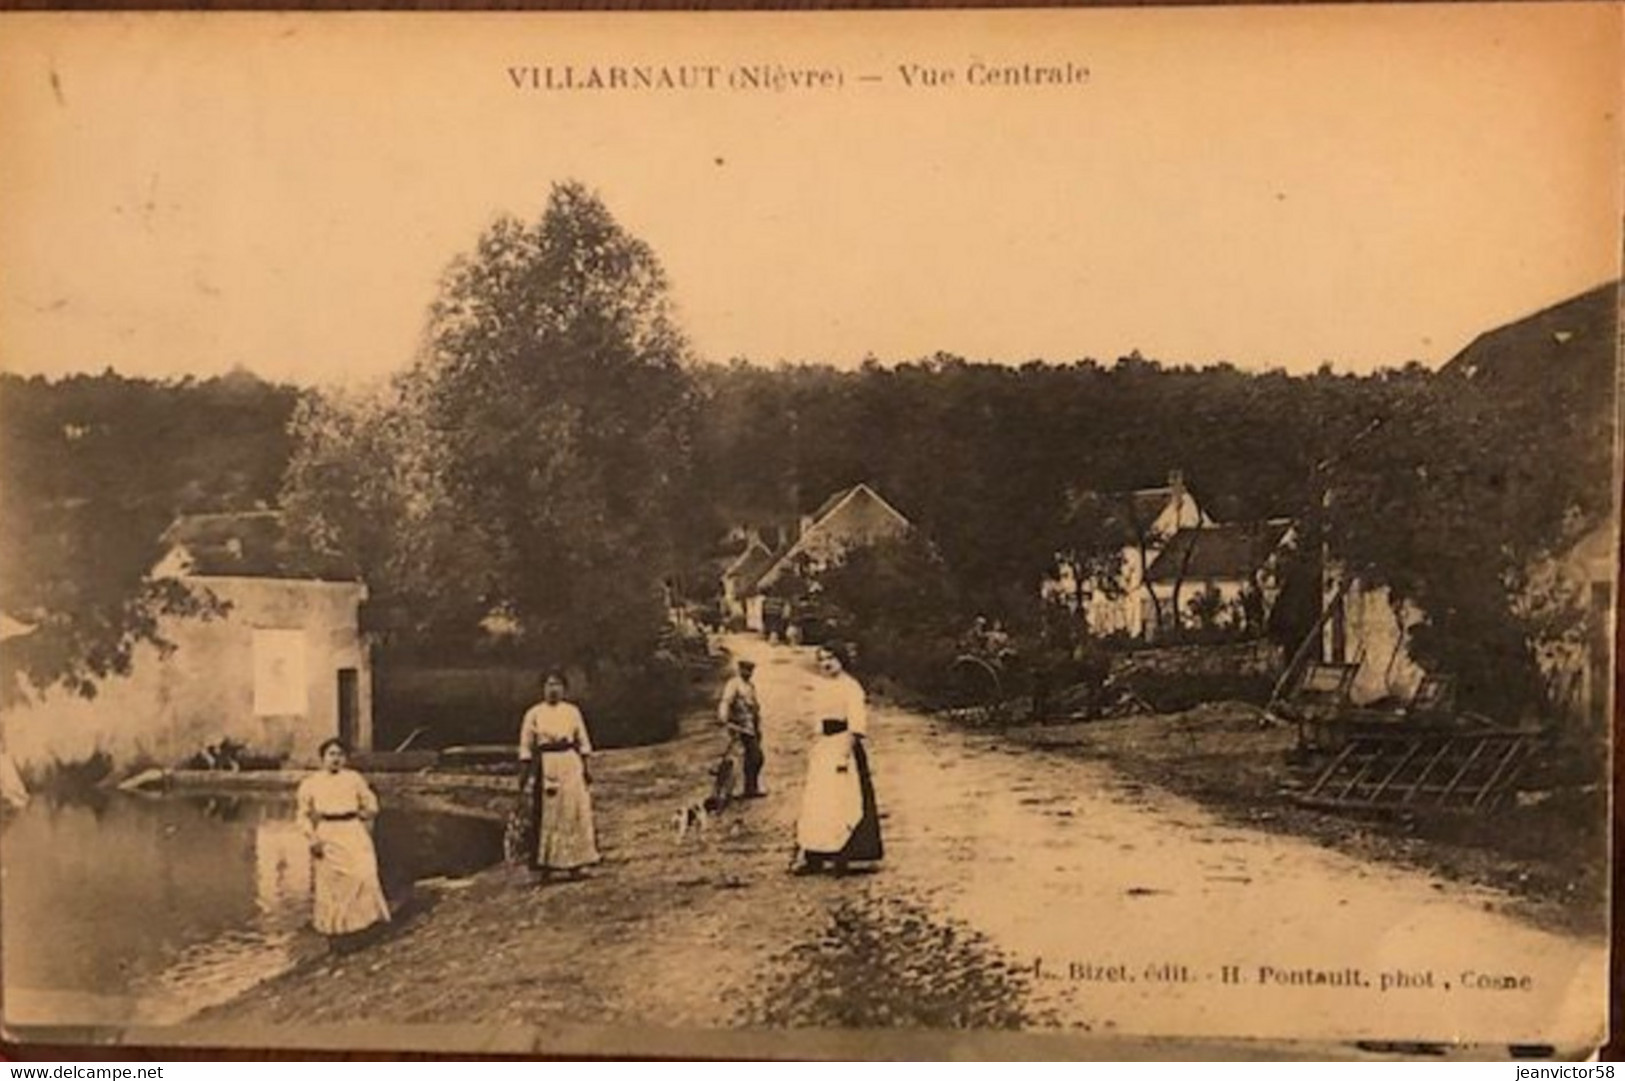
(1423, 768)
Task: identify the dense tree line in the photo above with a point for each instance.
(987, 459)
(555, 466)
(1443, 489)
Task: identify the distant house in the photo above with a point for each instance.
(850, 518)
(1221, 575)
(740, 576)
(284, 667)
(1559, 367)
(1142, 522)
(1367, 628)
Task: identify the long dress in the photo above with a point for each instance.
(334, 808)
(840, 817)
(553, 742)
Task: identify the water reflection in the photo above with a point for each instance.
(142, 909)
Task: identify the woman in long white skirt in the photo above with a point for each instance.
(840, 817)
(554, 750)
(336, 811)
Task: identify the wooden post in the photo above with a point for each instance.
(1303, 647)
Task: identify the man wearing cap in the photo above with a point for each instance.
(741, 715)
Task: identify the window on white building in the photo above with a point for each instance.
(280, 686)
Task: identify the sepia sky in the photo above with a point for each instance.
(1272, 187)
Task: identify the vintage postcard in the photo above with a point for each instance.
(1054, 533)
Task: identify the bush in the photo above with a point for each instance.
(1068, 680)
(896, 602)
(72, 778)
(624, 704)
(916, 661)
(454, 705)
(687, 647)
(629, 705)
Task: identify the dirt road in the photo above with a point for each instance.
(1020, 890)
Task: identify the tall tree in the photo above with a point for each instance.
(532, 461)
(365, 487)
(555, 374)
(1450, 508)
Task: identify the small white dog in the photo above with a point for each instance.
(694, 818)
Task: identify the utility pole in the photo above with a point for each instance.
(1321, 493)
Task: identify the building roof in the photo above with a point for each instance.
(245, 544)
(827, 510)
(749, 566)
(1552, 378)
(1597, 551)
(13, 628)
(1234, 551)
(1143, 505)
(1579, 335)
(1132, 514)
(833, 503)
(835, 499)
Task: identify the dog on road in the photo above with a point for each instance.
(695, 818)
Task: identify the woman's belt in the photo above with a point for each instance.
(554, 748)
(347, 816)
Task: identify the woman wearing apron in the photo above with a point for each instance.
(554, 749)
(840, 819)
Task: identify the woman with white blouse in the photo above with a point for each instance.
(840, 818)
(554, 752)
(336, 810)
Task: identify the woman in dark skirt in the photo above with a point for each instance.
(840, 819)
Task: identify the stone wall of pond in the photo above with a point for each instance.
(1178, 677)
(1254, 658)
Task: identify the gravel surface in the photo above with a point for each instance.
(1015, 881)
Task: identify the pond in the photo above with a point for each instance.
(144, 910)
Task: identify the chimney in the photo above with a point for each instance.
(1176, 481)
(795, 505)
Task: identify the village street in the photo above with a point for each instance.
(1020, 889)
